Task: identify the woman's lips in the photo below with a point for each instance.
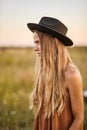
(39, 54)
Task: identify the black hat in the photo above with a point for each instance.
(53, 27)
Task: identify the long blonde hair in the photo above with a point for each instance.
(49, 86)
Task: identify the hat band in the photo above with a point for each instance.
(54, 27)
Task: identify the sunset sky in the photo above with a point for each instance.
(15, 14)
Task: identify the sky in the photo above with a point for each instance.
(15, 14)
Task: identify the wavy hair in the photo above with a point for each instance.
(49, 84)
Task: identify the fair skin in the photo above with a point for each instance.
(73, 84)
(74, 87)
(37, 47)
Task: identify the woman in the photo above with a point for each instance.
(57, 98)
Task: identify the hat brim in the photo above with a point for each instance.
(66, 41)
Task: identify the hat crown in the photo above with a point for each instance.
(54, 24)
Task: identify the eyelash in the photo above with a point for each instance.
(36, 42)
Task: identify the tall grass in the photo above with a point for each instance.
(16, 83)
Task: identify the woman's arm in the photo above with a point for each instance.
(76, 97)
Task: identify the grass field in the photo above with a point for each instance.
(16, 83)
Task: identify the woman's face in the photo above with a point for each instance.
(37, 46)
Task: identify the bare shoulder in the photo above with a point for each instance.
(74, 85)
(73, 77)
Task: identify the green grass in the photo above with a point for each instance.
(16, 83)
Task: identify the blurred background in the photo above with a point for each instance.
(17, 59)
(16, 83)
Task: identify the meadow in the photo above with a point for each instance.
(17, 81)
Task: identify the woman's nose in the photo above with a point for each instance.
(36, 48)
